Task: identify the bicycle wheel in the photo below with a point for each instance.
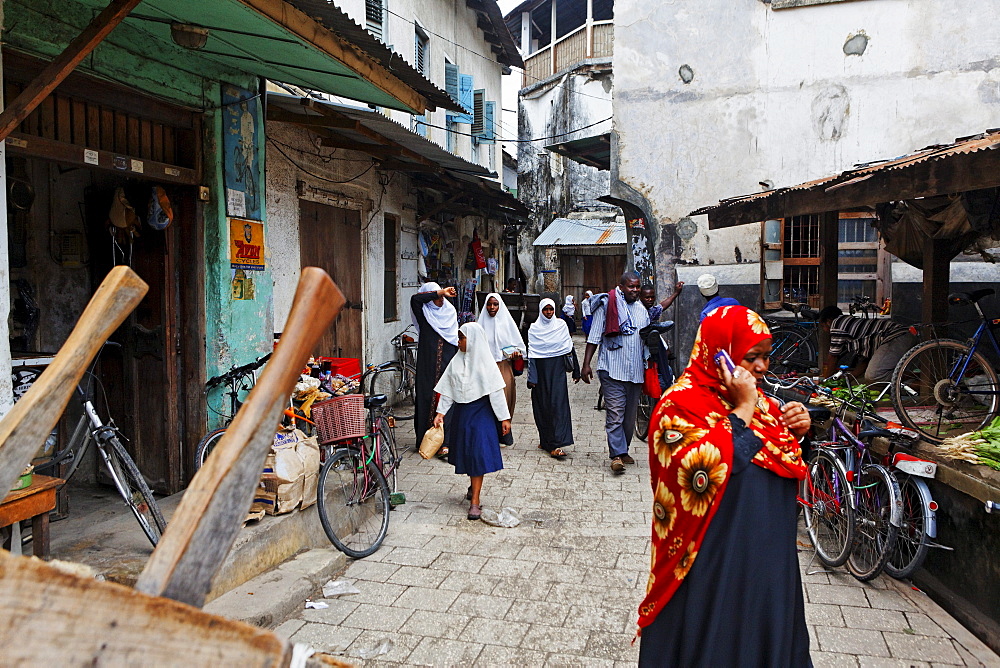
(932, 395)
(829, 509)
(793, 351)
(206, 445)
(912, 542)
(876, 509)
(398, 383)
(353, 503)
(387, 453)
(643, 414)
(135, 491)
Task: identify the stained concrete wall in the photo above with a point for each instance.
(785, 96)
(550, 185)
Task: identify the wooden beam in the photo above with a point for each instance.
(283, 116)
(937, 276)
(316, 35)
(829, 234)
(54, 73)
(440, 207)
(377, 150)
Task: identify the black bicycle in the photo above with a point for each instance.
(795, 342)
(240, 380)
(396, 379)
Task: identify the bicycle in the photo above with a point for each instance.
(353, 492)
(120, 467)
(395, 379)
(660, 348)
(853, 505)
(794, 346)
(945, 386)
(240, 380)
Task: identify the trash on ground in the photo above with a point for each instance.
(316, 605)
(384, 646)
(507, 518)
(339, 588)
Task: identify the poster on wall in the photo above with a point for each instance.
(246, 244)
(241, 169)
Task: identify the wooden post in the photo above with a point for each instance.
(829, 236)
(937, 277)
(59, 69)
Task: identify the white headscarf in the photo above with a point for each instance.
(548, 337)
(472, 374)
(444, 318)
(586, 303)
(501, 330)
(569, 307)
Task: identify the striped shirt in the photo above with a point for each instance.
(862, 336)
(625, 361)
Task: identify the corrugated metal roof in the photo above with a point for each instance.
(336, 21)
(962, 146)
(582, 232)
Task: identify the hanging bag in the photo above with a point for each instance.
(431, 442)
(651, 381)
(476, 249)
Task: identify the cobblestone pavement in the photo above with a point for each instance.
(563, 587)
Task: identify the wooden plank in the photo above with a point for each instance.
(829, 233)
(208, 519)
(121, 133)
(157, 142)
(30, 421)
(94, 126)
(102, 623)
(133, 147)
(79, 134)
(50, 149)
(107, 130)
(169, 152)
(937, 276)
(54, 73)
(145, 139)
(64, 118)
(47, 120)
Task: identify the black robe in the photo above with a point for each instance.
(433, 356)
(741, 604)
(550, 401)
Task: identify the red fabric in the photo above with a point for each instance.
(651, 381)
(612, 324)
(691, 451)
(477, 251)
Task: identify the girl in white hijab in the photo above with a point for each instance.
(437, 332)
(587, 311)
(569, 313)
(550, 357)
(506, 346)
(471, 389)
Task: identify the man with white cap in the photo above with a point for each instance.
(709, 288)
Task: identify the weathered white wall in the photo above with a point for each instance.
(447, 23)
(775, 97)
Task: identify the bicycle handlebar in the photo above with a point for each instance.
(237, 371)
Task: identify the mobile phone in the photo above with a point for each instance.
(722, 357)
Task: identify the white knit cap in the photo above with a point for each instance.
(708, 285)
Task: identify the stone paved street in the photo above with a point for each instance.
(563, 587)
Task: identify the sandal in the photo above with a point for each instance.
(475, 512)
(558, 453)
(442, 453)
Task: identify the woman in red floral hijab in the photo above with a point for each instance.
(724, 586)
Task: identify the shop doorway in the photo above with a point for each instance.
(580, 273)
(330, 238)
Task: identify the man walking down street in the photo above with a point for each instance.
(617, 319)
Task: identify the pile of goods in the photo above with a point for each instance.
(977, 447)
(339, 385)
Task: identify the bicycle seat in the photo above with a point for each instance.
(791, 306)
(875, 432)
(966, 298)
(808, 314)
(375, 400)
(818, 413)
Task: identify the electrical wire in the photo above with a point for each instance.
(313, 174)
(323, 158)
(518, 141)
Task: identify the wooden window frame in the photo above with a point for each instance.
(390, 268)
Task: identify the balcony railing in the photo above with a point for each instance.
(594, 41)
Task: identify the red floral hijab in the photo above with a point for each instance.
(691, 450)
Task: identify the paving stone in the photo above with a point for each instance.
(617, 647)
(555, 639)
(377, 618)
(879, 662)
(338, 610)
(534, 612)
(496, 655)
(522, 588)
(922, 648)
(574, 661)
(509, 567)
(402, 645)
(851, 641)
(876, 620)
(326, 638)
(423, 598)
(375, 593)
(836, 595)
(481, 605)
(472, 583)
(441, 652)
(497, 631)
(416, 576)
(924, 625)
(819, 614)
(288, 628)
(465, 563)
(889, 600)
(436, 624)
(405, 556)
(831, 660)
(370, 570)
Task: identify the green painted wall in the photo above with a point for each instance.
(236, 331)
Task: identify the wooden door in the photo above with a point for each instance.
(141, 378)
(330, 238)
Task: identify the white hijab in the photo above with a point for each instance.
(569, 307)
(472, 374)
(586, 303)
(548, 337)
(501, 330)
(443, 319)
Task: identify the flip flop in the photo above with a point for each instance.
(558, 454)
(475, 512)
(442, 454)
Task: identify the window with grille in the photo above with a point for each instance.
(801, 260)
(390, 286)
(375, 18)
(420, 50)
(858, 259)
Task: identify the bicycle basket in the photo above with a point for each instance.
(340, 418)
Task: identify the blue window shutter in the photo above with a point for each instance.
(451, 80)
(478, 107)
(464, 99)
(420, 125)
(489, 133)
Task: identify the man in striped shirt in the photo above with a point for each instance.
(621, 364)
(871, 346)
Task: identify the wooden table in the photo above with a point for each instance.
(34, 502)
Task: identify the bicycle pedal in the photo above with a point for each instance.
(397, 499)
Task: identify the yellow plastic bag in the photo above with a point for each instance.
(432, 442)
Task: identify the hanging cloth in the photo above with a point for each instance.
(548, 337)
(501, 330)
(472, 374)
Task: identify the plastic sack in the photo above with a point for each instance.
(432, 442)
(506, 518)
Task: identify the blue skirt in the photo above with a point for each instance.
(474, 443)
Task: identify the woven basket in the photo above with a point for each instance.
(340, 418)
